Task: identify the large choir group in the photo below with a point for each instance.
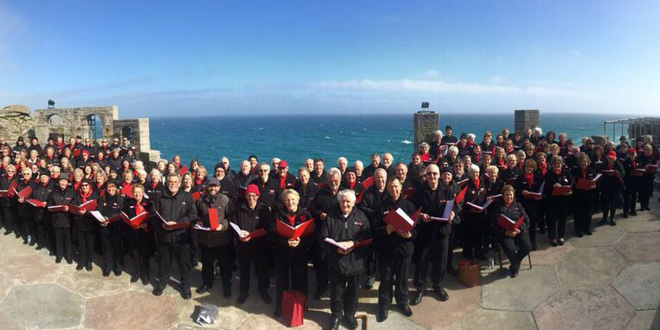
(353, 223)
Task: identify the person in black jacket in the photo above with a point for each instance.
(291, 254)
(24, 210)
(140, 240)
(630, 164)
(306, 189)
(648, 157)
(215, 243)
(611, 188)
(61, 221)
(432, 235)
(175, 206)
(530, 182)
(557, 205)
(583, 200)
(509, 239)
(472, 220)
(250, 216)
(10, 219)
(347, 226)
(41, 192)
(85, 225)
(110, 204)
(269, 189)
(395, 250)
(371, 205)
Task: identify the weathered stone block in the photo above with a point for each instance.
(525, 119)
(425, 123)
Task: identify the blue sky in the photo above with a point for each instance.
(166, 58)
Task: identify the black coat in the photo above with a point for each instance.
(178, 208)
(393, 245)
(269, 193)
(85, 222)
(372, 204)
(250, 220)
(324, 202)
(41, 193)
(433, 203)
(110, 206)
(514, 213)
(214, 238)
(307, 194)
(612, 183)
(354, 228)
(4, 185)
(59, 197)
(25, 210)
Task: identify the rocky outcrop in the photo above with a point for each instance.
(15, 121)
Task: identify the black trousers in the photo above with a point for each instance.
(645, 190)
(343, 294)
(223, 255)
(112, 249)
(27, 227)
(371, 261)
(393, 271)
(40, 233)
(247, 257)
(63, 245)
(9, 220)
(557, 208)
(608, 200)
(452, 243)
(140, 248)
(630, 199)
(472, 233)
(583, 211)
(168, 252)
(320, 267)
(516, 256)
(438, 248)
(533, 210)
(86, 246)
(290, 271)
(194, 246)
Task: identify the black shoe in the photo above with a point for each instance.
(226, 293)
(186, 294)
(39, 247)
(561, 241)
(334, 323)
(382, 314)
(514, 272)
(405, 310)
(32, 243)
(534, 247)
(351, 322)
(612, 222)
(145, 280)
(602, 222)
(553, 242)
(588, 232)
(625, 215)
(417, 298)
(70, 261)
(266, 298)
(158, 290)
(25, 242)
(80, 266)
(203, 288)
(88, 267)
(117, 272)
(58, 260)
(452, 271)
(578, 234)
(370, 283)
(134, 278)
(7, 233)
(241, 299)
(633, 213)
(278, 312)
(441, 293)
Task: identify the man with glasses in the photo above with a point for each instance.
(269, 189)
(433, 235)
(174, 206)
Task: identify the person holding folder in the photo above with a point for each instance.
(584, 197)
(519, 237)
(347, 226)
(433, 235)
(558, 202)
(110, 205)
(175, 209)
(632, 180)
(473, 220)
(611, 188)
(395, 249)
(215, 243)
(140, 240)
(24, 210)
(60, 219)
(648, 159)
(40, 194)
(251, 216)
(291, 247)
(85, 225)
(8, 204)
(530, 182)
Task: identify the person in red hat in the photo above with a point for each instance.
(631, 182)
(252, 215)
(284, 178)
(611, 187)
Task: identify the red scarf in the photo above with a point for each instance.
(424, 157)
(509, 204)
(139, 209)
(198, 182)
(476, 183)
(283, 182)
(543, 167)
(154, 184)
(557, 170)
(292, 219)
(85, 196)
(529, 178)
(501, 161)
(584, 173)
(352, 184)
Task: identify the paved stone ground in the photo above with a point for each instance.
(610, 280)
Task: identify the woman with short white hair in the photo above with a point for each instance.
(472, 219)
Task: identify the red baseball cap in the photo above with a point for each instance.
(611, 154)
(283, 164)
(252, 189)
(632, 151)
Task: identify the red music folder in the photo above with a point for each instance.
(25, 193)
(196, 196)
(213, 218)
(36, 203)
(11, 190)
(183, 170)
(300, 230)
(254, 234)
(508, 224)
(561, 191)
(461, 196)
(358, 199)
(77, 209)
(178, 225)
(368, 182)
(136, 221)
(650, 168)
(101, 218)
(612, 173)
(402, 221)
(56, 208)
(638, 172)
(407, 194)
(127, 191)
(586, 184)
(355, 246)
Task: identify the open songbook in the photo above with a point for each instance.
(136, 221)
(449, 206)
(400, 220)
(508, 224)
(178, 225)
(98, 216)
(587, 184)
(254, 234)
(300, 230)
(79, 209)
(536, 196)
(355, 246)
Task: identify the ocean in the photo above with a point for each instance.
(298, 137)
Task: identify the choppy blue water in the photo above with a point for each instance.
(296, 138)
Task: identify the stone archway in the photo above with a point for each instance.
(56, 126)
(127, 132)
(94, 125)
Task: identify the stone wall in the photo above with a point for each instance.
(73, 121)
(525, 119)
(15, 121)
(137, 131)
(425, 123)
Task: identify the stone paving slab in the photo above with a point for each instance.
(93, 284)
(495, 320)
(602, 236)
(434, 314)
(28, 269)
(589, 267)
(123, 310)
(523, 293)
(639, 247)
(549, 255)
(640, 285)
(584, 308)
(645, 320)
(642, 222)
(9, 324)
(43, 306)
